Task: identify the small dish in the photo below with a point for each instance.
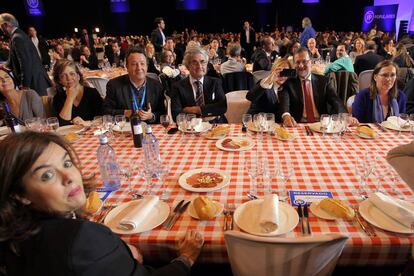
(193, 213)
(318, 212)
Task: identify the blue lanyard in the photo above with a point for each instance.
(135, 99)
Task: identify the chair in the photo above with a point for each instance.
(259, 75)
(153, 76)
(48, 106)
(167, 104)
(268, 256)
(98, 83)
(237, 81)
(346, 84)
(364, 79)
(237, 105)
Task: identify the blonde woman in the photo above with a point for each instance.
(359, 49)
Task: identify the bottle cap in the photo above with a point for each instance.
(148, 129)
(103, 139)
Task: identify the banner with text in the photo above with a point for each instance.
(34, 7)
(119, 6)
(381, 17)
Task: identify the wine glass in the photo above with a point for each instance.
(181, 123)
(325, 121)
(162, 172)
(120, 121)
(270, 122)
(247, 120)
(52, 123)
(34, 124)
(97, 123)
(165, 122)
(252, 171)
(189, 125)
(363, 168)
(126, 170)
(336, 125)
(108, 123)
(284, 172)
(345, 120)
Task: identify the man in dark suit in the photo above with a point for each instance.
(41, 46)
(247, 40)
(307, 96)
(369, 60)
(265, 57)
(24, 60)
(199, 94)
(87, 40)
(135, 92)
(157, 36)
(116, 55)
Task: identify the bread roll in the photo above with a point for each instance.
(282, 133)
(336, 208)
(367, 131)
(205, 208)
(93, 203)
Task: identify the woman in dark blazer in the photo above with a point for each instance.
(382, 99)
(41, 233)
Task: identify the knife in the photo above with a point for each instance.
(177, 215)
(301, 219)
(309, 130)
(177, 207)
(364, 225)
(381, 127)
(306, 218)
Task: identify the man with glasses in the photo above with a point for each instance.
(305, 97)
(199, 94)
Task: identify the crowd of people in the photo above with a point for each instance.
(190, 67)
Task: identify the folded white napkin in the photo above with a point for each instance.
(197, 124)
(139, 212)
(397, 209)
(269, 213)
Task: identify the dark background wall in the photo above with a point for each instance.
(228, 15)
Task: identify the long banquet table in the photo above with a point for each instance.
(319, 163)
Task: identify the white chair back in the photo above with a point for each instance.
(98, 83)
(237, 105)
(349, 103)
(364, 79)
(167, 104)
(259, 75)
(267, 256)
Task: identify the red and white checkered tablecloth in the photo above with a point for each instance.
(319, 163)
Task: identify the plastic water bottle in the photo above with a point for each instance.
(108, 165)
(328, 58)
(151, 151)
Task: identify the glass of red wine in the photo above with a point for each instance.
(165, 122)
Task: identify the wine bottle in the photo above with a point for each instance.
(10, 120)
(136, 129)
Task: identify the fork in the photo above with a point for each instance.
(368, 229)
(229, 217)
(226, 213)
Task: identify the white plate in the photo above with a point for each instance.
(183, 183)
(392, 126)
(379, 219)
(318, 212)
(156, 217)
(204, 126)
(125, 128)
(237, 139)
(317, 127)
(193, 213)
(246, 217)
(63, 130)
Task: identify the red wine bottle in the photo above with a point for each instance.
(136, 129)
(10, 120)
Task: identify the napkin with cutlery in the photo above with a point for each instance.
(397, 209)
(139, 212)
(269, 213)
(395, 122)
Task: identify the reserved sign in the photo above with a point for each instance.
(306, 197)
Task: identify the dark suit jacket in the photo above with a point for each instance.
(111, 57)
(324, 95)
(261, 62)
(44, 51)
(77, 247)
(243, 38)
(156, 40)
(119, 98)
(26, 64)
(263, 100)
(92, 63)
(367, 61)
(90, 42)
(182, 96)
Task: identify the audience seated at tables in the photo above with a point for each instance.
(386, 49)
(116, 55)
(358, 50)
(170, 46)
(382, 99)
(343, 62)
(152, 63)
(402, 57)
(58, 52)
(264, 94)
(369, 60)
(409, 93)
(87, 59)
(263, 58)
(73, 100)
(307, 96)
(313, 51)
(233, 64)
(402, 159)
(169, 73)
(135, 91)
(24, 104)
(220, 52)
(42, 230)
(199, 94)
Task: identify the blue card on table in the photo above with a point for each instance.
(302, 197)
(103, 193)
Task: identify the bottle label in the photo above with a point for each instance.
(137, 129)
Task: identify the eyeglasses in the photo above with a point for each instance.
(195, 63)
(388, 75)
(303, 62)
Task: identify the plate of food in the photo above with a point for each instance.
(218, 132)
(366, 132)
(235, 144)
(282, 134)
(204, 180)
(198, 126)
(332, 209)
(393, 122)
(64, 130)
(203, 208)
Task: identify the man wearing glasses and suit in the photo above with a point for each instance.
(199, 94)
(305, 97)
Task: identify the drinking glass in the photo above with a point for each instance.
(284, 172)
(108, 123)
(363, 168)
(52, 123)
(336, 125)
(189, 124)
(127, 169)
(165, 122)
(34, 124)
(325, 122)
(247, 120)
(403, 121)
(345, 120)
(120, 121)
(98, 123)
(270, 122)
(252, 171)
(162, 172)
(182, 123)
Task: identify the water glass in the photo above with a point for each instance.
(98, 123)
(35, 124)
(363, 168)
(162, 172)
(52, 123)
(345, 120)
(284, 172)
(247, 121)
(189, 125)
(182, 123)
(325, 121)
(270, 121)
(336, 124)
(252, 171)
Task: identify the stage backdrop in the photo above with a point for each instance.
(34, 7)
(383, 17)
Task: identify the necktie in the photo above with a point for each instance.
(199, 94)
(310, 117)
